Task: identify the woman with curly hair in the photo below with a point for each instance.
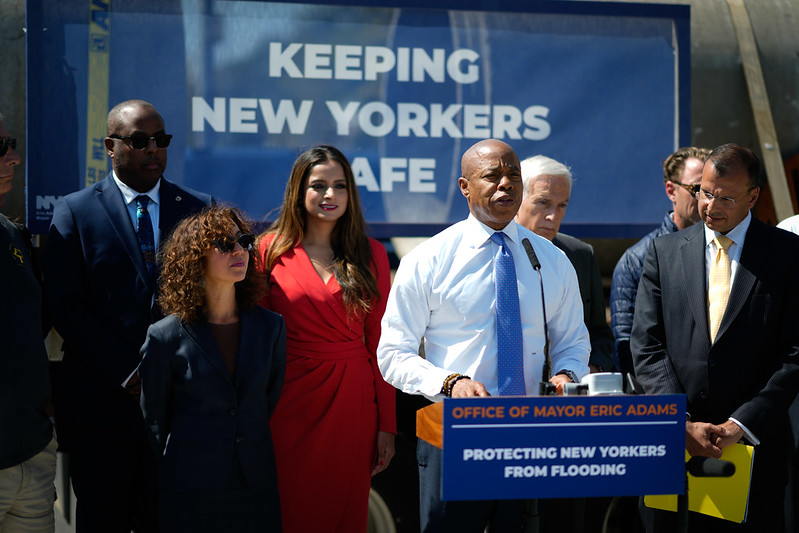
(335, 423)
(211, 376)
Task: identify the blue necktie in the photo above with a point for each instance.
(510, 365)
(144, 233)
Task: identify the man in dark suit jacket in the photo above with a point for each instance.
(100, 294)
(740, 381)
(547, 187)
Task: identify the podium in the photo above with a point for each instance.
(557, 446)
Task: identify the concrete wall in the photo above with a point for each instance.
(12, 95)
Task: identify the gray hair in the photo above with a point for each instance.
(538, 165)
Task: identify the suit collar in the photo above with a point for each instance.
(203, 337)
(752, 261)
(200, 332)
(249, 332)
(171, 203)
(692, 255)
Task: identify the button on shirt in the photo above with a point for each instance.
(444, 292)
(153, 208)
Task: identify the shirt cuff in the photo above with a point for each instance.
(749, 435)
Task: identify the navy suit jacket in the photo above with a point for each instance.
(198, 417)
(101, 299)
(584, 261)
(751, 371)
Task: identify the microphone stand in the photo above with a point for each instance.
(545, 388)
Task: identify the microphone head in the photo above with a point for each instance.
(531, 254)
(709, 467)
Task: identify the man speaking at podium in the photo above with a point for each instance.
(473, 295)
(716, 319)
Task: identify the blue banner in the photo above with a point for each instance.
(563, 447)
(401, 88)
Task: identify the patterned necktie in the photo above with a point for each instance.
(510, 365)
(718, 290)
(144, 233)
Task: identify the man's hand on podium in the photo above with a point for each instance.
(559, 380)
(465, 388)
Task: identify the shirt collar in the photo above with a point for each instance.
(479, 233)
(130, 194)
(737, 234)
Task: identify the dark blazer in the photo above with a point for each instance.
(584, 261)
(750, 373)
(101, 300)
(199, 419)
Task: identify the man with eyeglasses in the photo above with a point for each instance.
(101, 278)
(682, 173)
(716, 319)
(27, 443)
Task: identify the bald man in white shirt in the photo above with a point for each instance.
(444, 294)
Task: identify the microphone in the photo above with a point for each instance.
(709, 467)
(531, 254)
(544, 387)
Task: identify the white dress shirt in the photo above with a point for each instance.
(737, 234)
(790, 224)
(129, 195)
(444, 292)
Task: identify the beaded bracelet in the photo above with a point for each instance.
(453, 382)
(445, 388)
(450, 382)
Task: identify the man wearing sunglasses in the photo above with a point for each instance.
(101, 280)
(27, 444)
(682, 173)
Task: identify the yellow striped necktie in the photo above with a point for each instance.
(718, 291)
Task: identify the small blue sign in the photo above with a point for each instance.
(563, 446)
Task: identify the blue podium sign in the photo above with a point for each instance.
(563, 446)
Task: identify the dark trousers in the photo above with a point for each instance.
(234, 507)
(438, 516)
(113, 475)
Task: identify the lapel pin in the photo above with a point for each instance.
(178, 198)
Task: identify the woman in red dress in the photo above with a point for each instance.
(335, 422)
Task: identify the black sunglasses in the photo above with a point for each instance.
(693, 189)
(246, 240)
(141, 142)
(5, 143)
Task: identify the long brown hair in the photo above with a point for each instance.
(352, 254)
(182, 258)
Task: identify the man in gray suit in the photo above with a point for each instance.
(738, 366)
(547, 188)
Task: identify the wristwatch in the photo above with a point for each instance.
(571, 375)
